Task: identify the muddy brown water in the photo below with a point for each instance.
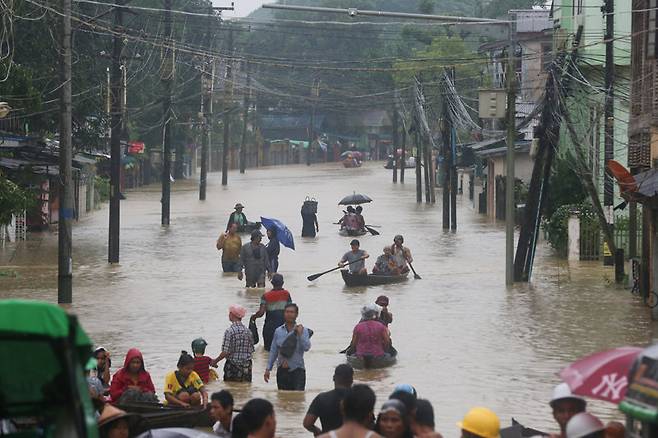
(464, 338)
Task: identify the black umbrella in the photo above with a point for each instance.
(354, 199)
(175, 432)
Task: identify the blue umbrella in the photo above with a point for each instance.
(282, 232)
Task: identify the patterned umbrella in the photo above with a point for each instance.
(602, 375)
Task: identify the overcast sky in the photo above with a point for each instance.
(242, 7)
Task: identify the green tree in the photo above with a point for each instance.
(426, 6)
(13, 200)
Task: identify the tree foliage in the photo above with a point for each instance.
(13, 200)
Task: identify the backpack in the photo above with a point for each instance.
(310, 206)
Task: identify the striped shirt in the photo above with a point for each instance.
(275, 302)
(202, 367)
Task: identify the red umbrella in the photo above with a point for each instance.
(602, 375)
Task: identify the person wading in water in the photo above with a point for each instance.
(254, 259)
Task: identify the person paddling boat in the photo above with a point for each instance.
(401, 254)
(355, 259)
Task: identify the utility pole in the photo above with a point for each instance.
(116, 128)
(245, 119)
(395, 138)
(315, 93)
(227, 109)
(65, 236)
(426, 171)
(609, 114)
(445, 153)
(510, 220)
(419, 177)
(207, 84)
(403, 155)
(167, 78)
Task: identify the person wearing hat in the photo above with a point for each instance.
(230, 243)
(202, 362)
(565, 405)
(237, 217)
(237, 347)
(401, 254)
(272, 304)
(355, 259)
(115, 423)
(480, 423)
(255, 261)
(370, 338)
(385, 317)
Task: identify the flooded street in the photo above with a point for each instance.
(464, 339)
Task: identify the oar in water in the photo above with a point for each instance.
(416, 276)
(316, 276)
(372, 231)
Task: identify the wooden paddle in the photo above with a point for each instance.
(372, 230)
(416, 276)
(316, 276)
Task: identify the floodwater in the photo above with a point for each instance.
(464, 339)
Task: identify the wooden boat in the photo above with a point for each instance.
(248, 228)
(370, 279)
(157, 416)
(370, 362)
(351, 233)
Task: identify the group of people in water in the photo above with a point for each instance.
(348, 411)
(353, 223)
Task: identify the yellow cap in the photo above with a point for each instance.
(481, 422)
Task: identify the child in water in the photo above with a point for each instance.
(202, 362)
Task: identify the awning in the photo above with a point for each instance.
(519, 146)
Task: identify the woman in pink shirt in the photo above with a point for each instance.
(370, 337)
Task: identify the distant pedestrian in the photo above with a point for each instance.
(480, 423)
(237, 348)
(273, 250)
(221, 410)
(327, 405)
(272, 305)
(393, 420)
(230, 244)
(422, 424)
(255, 261)
(290, 372)
(355, 259)
(358, 412)
(256, 420)
(309, 218)
(237, 217)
